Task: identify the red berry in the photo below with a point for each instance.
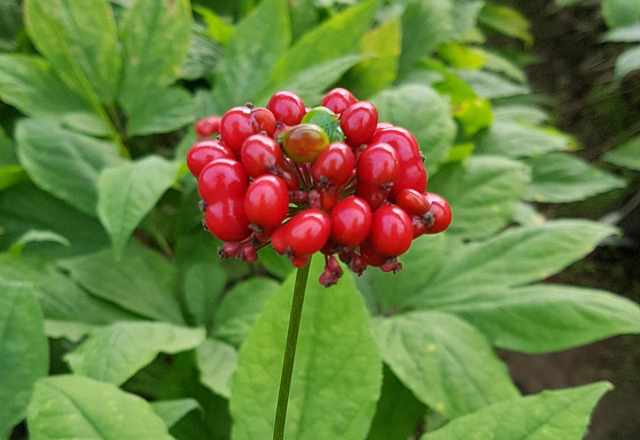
(412, 175)
(290, 178)
(241, 122)
(204, 152)
(300, 261)
(328, 198)
(350, 221)
(226, 219)
(391, 231)
(334, 165)
(223, 179)
(370, 255)
(440, 210)
(307, 232)
(378, 165)
(261, 155)
(263, 120)
(266, 201)
(412, 201)
(304, 142)
(338, 100)
(401, 140)
(383, 125)
(287, 107)
(208, 126)
(374, 195)
(359, 122)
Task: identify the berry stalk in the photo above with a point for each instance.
(290, 351)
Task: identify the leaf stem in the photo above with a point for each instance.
(290, 351)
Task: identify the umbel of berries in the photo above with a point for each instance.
(331, 179)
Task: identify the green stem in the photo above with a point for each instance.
(290, 351)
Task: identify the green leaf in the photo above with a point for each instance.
(429, 352)
(627, 34)
(7, 150)
(114, 354)
(64, 163)
(490, 85)
(620, 13)
(550, 415)
(161, 111)
(379, 72)
(65, 407)
(203, 285)
(482, 191)
(425, 25)
(172, 411)
(79, 38)
(11, 175)
(11, 25)
(24, 352)
(248, 62)
(240, 307)
(516, 257)
(507, 21)
(627, 62)
(520, 114)
(462, 56)
(127, 192)
(28, 83)
(72, 331)
(545, 317)
(626, 155)
(202, 59)
(500, 64)
(36, 235)
(426, 114)
(465, 17)
(343, 378)
(515, 140)
(217, 362)
(218, 29)
(526, 214)
(155, 37)
(561, 178)
(142, 281)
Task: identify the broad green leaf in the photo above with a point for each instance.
(627, 62)
(28, 83)
(240, 307)
(430, 352)
(203, 285)
(141, 281)
(520, 114)
(7, 150)
(515, 140)
(465, 17)
(161, 111)
(545, 317)
(248, 62)
(277, 265)
(217, 362)
(24, 352)
(172, 411)
(460, 56)
(343, 31)
(378, 72)
(11, 24)
(72, 331)
(155, 38)
(561, 178)
(425, 25)
(64, 163)
(11, 175)
(516, 257)
(423, 112)
(626, 155)
(304, 16)
(398, 411)
(36, 236)
(202, 59)
(60, 298)
(114, 354)
(217, 27)
(620, 13)
(127, 192)
(490, 85)
(343, 378)
(500, 64)
(482, 191)
(550, 415)
(65, 407)
(507, 21)
(627, 34)
(526, 214)
(79, 38)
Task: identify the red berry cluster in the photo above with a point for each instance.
(330, 179)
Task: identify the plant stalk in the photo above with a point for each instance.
(290, 351)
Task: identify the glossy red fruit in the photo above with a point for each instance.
(263, 120)
(223, 179)
(440, 210)
(304, 142)
(287, 107)
(412, 201)
(328, 198)
(359, 123)
(401, 140)
(204, 152)
(241, 122)
(391, 231)
(412, 176)
(350, 221)
(378, 165)
(370, 255)
(208, 126)
(226, 219)
(266, 201)
(300, 261)
(307, 232)
(383, 125)
(374, 195)
(290, 178)
(338, 100)
(334, 165)
(260, 155)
